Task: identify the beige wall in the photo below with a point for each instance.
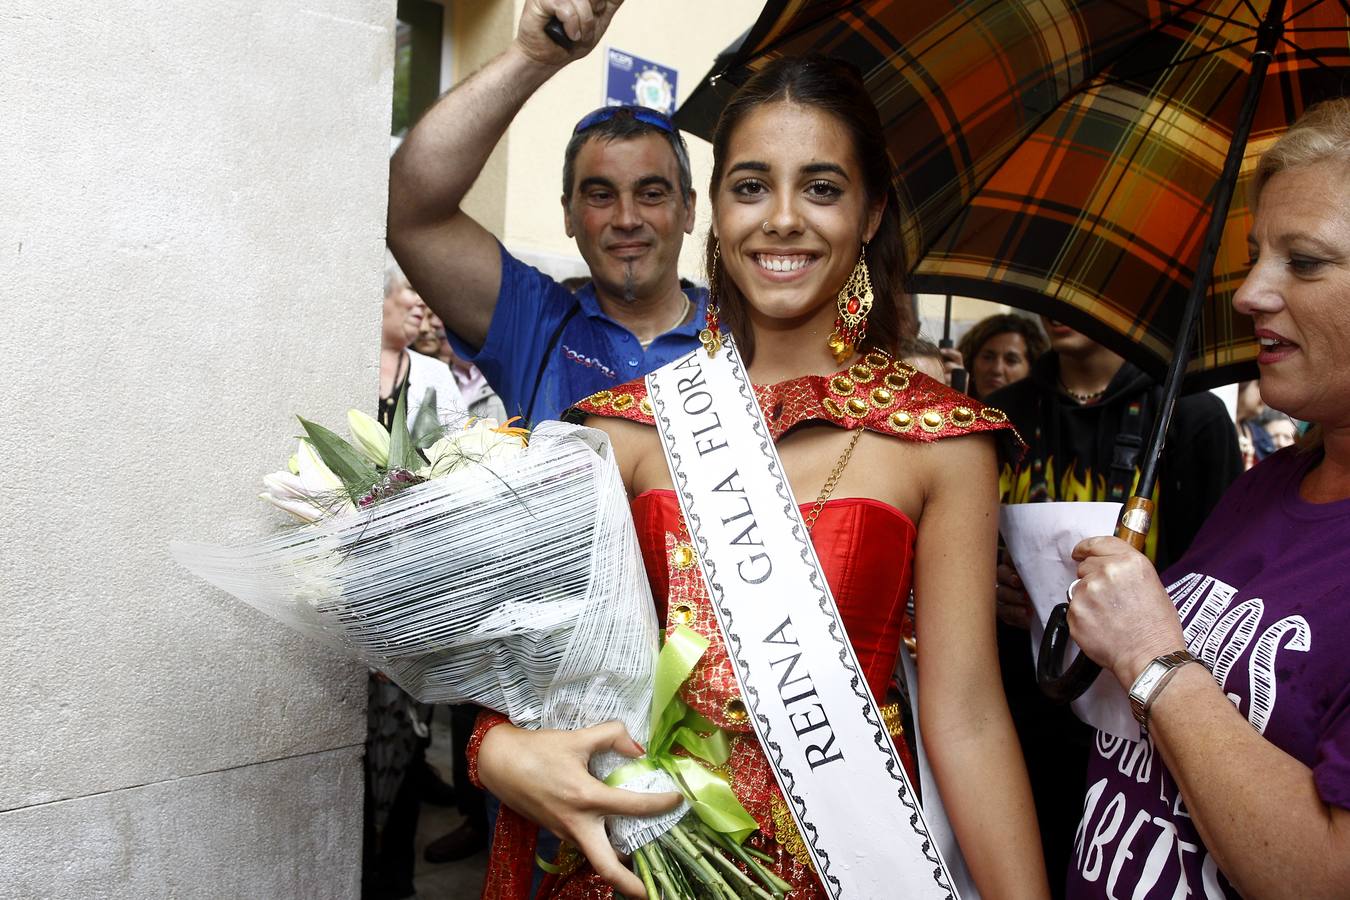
(526, 184)
(191, 246)
(966, 311)
(478, 30)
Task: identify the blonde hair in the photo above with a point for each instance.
(1321, 133)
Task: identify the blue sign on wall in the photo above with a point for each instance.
(631, 79)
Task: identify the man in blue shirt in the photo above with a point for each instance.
(627, 199)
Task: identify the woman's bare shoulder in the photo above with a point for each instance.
(637, 449)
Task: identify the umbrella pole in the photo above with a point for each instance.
(958, 375)
(1137, 515)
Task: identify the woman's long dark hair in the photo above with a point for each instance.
(835, 87)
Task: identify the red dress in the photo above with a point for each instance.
(866, 549)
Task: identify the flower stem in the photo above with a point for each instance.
(747, 855)
(671, 881)
(688, 878)
(645, 873)
(716, 855)
(680, 848)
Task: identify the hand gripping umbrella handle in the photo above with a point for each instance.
(1068, 685)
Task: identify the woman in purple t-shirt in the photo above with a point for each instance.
(1242, 787)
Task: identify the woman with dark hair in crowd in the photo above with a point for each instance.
(999, 350)
(1241, 786)
(803, 216)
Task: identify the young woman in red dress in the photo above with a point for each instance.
(902, 470)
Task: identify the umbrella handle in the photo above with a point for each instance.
(557, 34)
(1070, 684)
(957, 375)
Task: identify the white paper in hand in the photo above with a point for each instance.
(1040, 538)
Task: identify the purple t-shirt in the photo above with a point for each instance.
(1264, 600)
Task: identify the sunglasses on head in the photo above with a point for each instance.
(642, 114)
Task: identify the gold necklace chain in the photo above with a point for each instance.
(835, 475)
(684, 551)
(833, 480)
(684, 555)
(684, 312)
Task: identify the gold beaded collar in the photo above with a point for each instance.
(879, 394)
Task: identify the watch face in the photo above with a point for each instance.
(1143, 687)
(1147, 678)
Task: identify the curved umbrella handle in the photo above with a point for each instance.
(1068, 685)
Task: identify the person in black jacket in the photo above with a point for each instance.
(1086, 415)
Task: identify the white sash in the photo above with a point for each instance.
(808, 701)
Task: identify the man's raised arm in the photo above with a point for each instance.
(449, 258)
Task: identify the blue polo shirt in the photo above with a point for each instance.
(547, 348)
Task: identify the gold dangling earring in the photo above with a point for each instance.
(855, 302)
(711, 335)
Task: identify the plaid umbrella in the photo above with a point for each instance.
(1078, 158)
(1061, 156)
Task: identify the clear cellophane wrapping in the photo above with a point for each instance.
(517, 585)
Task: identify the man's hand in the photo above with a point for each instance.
(1014, 605)
(584, 21)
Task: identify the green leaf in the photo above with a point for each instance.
(426, 428)
(402, 453)
(358, 476)
(424, 439)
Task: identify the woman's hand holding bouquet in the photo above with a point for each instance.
(544, 776)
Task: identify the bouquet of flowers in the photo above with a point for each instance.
(490, 565)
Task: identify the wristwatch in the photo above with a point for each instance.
(1152, 680)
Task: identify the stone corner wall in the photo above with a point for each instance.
(191, 247)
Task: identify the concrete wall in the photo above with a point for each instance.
(191, 232)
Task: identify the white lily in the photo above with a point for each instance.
(481, 442)
(370, 437)
(286, 492)
(314, 473)
(310, 493)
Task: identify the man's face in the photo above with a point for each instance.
(1067, 342)
(627, 215)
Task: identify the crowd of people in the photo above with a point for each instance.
(1240, 785)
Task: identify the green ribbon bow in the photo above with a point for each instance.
(674, 724)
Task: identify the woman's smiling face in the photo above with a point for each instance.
(1298, 292)
(791, 213)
